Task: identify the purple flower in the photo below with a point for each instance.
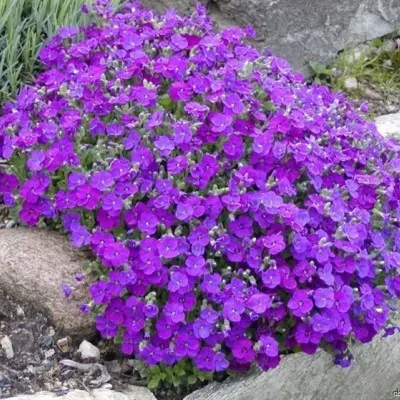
(271, 278)
(324, 297)
(274, 243)
(220, 362)
(259, 303)
(102, 181)
(195, 265)
(174, 312)
(116, 253)
(80, 236)
(204, 360)
(243, 351)
(220, 122)
(36, 160)
(67, 290)
(107, 329)
(269, 346)
(178, 281)
(300, 304)
(232, 310)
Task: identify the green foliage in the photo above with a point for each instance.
(182, 374)
(372, 65)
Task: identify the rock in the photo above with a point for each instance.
(306, 32)
(389, 125)
(33, 264)
(131, 393)
(7, 346)
(88, 351)
(373, 375)
(351, 83)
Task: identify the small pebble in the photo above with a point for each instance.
(10, 224)
(351, 83)
(49, 353)
(6, 344)
(20, 312)
(88, 351)
(107, 386)
(47, 341)
(47, 364)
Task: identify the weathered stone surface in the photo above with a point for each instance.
(389, 125)
(131, 393)
(33, 264)
(374, 374)
(304, 30)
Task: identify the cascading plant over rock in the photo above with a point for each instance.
(236, 213)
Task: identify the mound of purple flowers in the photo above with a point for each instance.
(237, 212)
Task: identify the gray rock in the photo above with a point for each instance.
(303, 30)
(7, 346)
(131, 393)
(389, 125)
(33, 264)
(88, 351)
(373, 375)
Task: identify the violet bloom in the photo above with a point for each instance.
(102, 181)
(324, 297)
(174, 312)
(178, 281)
(168, 247)
(243, 351)
(112, 204)
(204, 360)
(300, 304)
(116, 253)
(259, 303)
(148, 223)
(87, 197)
(106, 328)
(274, 243)
(232, 310)
(220, 362)
(67, 290)
(271, 278)
(80, 236)
(202, 329)
(36, 160)
(195, 265)
(269, 346)
(220, 122)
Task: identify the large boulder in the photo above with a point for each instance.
(33, 265)
(373, 375)
(302, 30)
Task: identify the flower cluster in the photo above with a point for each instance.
(237, 212)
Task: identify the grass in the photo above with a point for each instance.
(25, 25)
(373, 65)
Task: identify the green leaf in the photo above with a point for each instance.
(153, 382)
(192, 379)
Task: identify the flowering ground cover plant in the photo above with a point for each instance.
(236, 213)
